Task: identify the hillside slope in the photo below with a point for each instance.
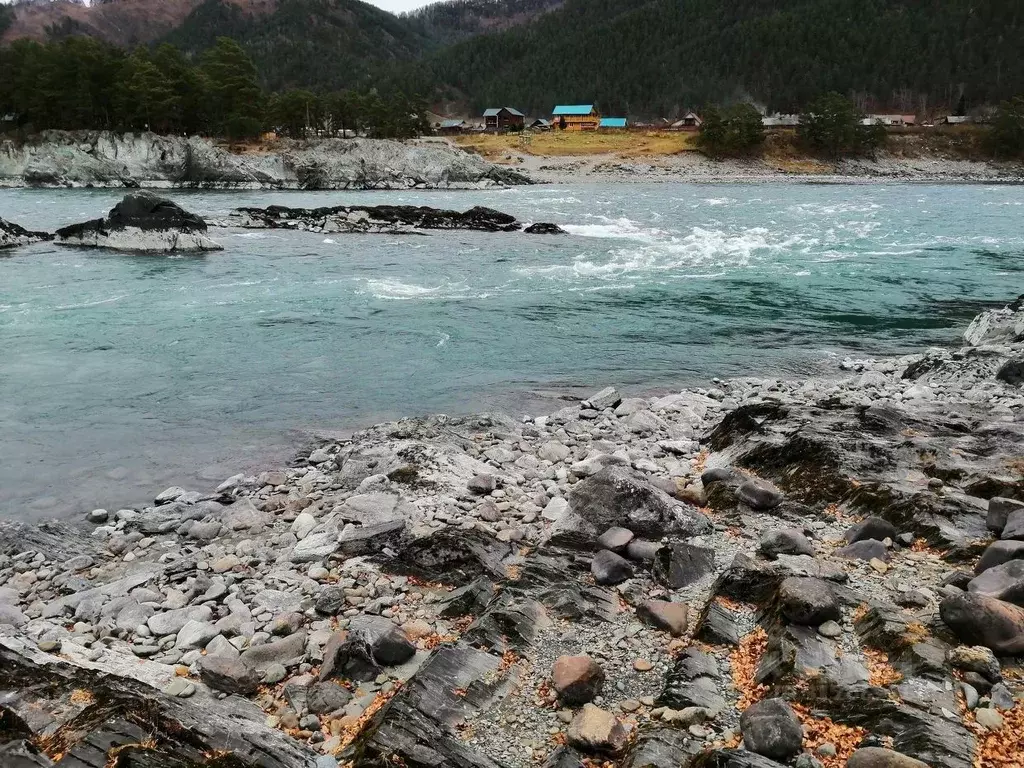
(656, 56)
(126, 23)
(321, 43)
(455, 20)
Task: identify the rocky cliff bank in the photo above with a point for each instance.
(814, 573)
(103, 159)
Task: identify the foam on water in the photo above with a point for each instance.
(201, 366)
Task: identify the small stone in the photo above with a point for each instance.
(989, 719)
(482, 484)
(594, 730)
(830, 629)
(642, 665)
(806, 600)
(629, 705)
(877, 757)
(179, 687)
(98, 516)
(274, 673)
(616, 539)
(878, 565)
(576, 679)
(666, 616)
(759, 494)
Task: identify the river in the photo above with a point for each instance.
(123, 374)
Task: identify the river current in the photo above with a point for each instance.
(122, 374)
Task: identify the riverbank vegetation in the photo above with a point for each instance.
(83, 84)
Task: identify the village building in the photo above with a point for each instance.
(780, 121)
(956, 119)
(892, 121)
(612, 122)
(541, 124)
(690, 122)
(499, 119)
(576, 117)
(450, 127)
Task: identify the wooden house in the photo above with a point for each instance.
(577, 117)
(499, 119)
(451, 127)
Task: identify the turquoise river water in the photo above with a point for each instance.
(122, 374)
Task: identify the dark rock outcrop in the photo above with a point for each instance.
(142, 222)
(389, 219)
(13, 235)
(616, 496)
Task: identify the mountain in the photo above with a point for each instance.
(642, 58)
(455, 20)
(126, 23)
(310, 43)
(656, 57)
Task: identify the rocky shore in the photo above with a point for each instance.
(815, 573)
(104, 159)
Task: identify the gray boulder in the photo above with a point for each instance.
(866, 549)
(230, 675)
(1003, 582)
(999, 552)
(979, 620)
(287, 652)
(771, 728)
(999, 510)
(322, 698)
(871, 528)
(1014, 526)
(809, 601)
(609, 568)
(759, 494)
(683, 564)
(142, 222)
(617, 496)
(787, 541)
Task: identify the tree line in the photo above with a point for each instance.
(83, 84)
(832, 126)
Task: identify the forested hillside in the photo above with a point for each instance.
(315, 43)
(641, 58)
(651, 57)
(449, 22)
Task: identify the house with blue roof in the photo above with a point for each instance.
(575, 117)
(500, 119)
(612, 122)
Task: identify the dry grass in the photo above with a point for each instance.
(821, 730)
(743, 662)
(1003, 748)
(580, 144)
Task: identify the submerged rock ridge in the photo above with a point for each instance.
(13, 235)
(107, 159)
(823, 572)
(389, 219)
(142, 222)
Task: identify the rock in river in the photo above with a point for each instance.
(12, 235)
(142, 222)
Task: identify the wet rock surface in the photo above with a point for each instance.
(142, 222)
(12, 235)
(389, 219)
(598, 584)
